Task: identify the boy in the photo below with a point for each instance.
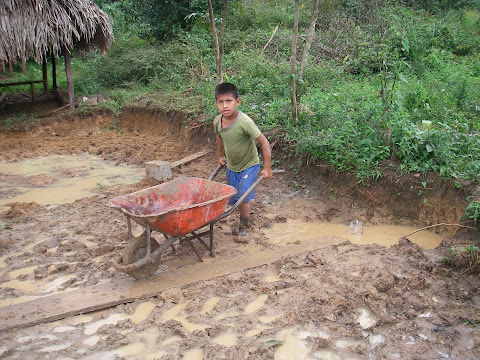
(236, 136)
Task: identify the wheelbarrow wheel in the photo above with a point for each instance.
(133, 260)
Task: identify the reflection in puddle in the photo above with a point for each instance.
(269, 319)
(20, 285)
(147, 343)
(258, 329)
(366, 319)
(91, 340)
(3, 264)
(386, 235)
(272, 278)
(56, 347)
(23, 271)
(113, 319)
(294, 343)
(345, 343)
(88, 243)
(256, 304)
(209, 305)
(171, 340)
(150, 336)
(60, 179)
(326, 355)
(293, 348)
(64, 328)
(227, 314)
(173, 314)
(227, 339)
(142, 312)
(194, 354)
(32, 245)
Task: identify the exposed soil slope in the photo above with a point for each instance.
(337, 301)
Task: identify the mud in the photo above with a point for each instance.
(333, 299)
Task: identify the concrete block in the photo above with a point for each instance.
(159, 170)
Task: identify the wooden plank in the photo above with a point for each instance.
(20, 83)
(116, 292)
(189, 158)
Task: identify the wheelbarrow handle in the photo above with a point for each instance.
(245, 194)
(216, 171)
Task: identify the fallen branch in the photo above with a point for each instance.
(442, 224)
(60, 108)
(269, 40)
(92, 272)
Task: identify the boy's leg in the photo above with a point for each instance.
(242, 182)
(244, 210)
(244, 218)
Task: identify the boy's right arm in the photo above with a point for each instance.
(220, 151)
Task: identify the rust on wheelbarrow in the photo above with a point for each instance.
(177, 207)
(182, 210)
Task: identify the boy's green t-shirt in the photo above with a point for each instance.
(239, 142)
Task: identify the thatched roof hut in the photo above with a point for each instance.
(38, 28)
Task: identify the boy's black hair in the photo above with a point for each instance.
(226, 88)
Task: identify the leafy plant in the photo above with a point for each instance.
(472, 212)
(464, 257)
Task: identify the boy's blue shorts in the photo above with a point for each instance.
(242, 181)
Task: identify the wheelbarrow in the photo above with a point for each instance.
(182, 210)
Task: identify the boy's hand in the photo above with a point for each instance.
(222, 161)
(267, 173)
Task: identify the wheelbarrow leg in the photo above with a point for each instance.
(193, 247)
(149, 241)
(211, 240)
(129, 226)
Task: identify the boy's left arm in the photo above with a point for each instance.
(267, 156)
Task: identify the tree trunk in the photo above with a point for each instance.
(54, 75)
(293, 60)
(10, 67)
(218, 58)
(222, 30)
(44, 74)
(310, 36)
(24, 66)
(68, 70)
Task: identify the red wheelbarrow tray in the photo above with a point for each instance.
(177, 207)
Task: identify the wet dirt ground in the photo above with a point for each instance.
(323, 296)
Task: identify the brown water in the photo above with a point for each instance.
(386, 235)
(60, 179)
(301, 236)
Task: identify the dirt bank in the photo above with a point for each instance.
(335, 300)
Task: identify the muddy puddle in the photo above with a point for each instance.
(291, 237)
(152, 329)
(60, 179)
(386, 235)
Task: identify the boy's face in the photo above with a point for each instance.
(227, 105)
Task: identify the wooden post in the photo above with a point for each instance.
(32, 91)
(54, 75)
(10, 67)
(24, 66)
(44, 73)
(68, 70)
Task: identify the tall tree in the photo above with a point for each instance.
(293, 61)
(218, 38)
(296, 79)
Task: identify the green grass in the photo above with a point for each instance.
(429, 56)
